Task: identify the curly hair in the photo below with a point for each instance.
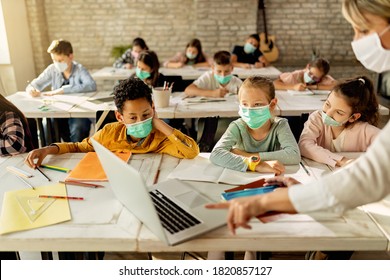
(131, 89)
(360, 95)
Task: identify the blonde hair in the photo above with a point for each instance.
(262, 83)
(353, 11)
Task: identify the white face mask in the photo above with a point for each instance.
(60, 66)
(370, 52)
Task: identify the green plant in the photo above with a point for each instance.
(117, 51)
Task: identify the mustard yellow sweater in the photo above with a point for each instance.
(113, 136)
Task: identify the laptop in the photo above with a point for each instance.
(173, 210)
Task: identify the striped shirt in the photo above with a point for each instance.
(11, 134)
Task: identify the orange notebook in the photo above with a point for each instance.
(90, 169)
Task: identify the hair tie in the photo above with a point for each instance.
(362, 80)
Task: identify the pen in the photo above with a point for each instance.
(156, 177)
(19, 172)
(61, 197)
(304, 168)
(52, 167)
(82, 184)
(25, 182)
(40, 171)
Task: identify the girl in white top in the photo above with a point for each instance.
(367, 178)
(346, 123)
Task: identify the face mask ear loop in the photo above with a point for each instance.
(384, 31)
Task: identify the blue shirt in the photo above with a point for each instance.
(79, 80)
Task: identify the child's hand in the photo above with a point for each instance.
(34, 93)
(300, 86)
(176, 64)
(271, 166)
(220, 92)
(286, 181)
(344, 161)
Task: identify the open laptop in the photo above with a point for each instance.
(172, 210)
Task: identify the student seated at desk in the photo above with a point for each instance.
(256, 141)
(148, 69)
(15, 136)
(129, 58)
(193, 55)
(314, 76)
(219, 81)
(64, 76)
(138, 129)
(346, 123)
(249, 55)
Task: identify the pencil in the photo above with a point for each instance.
(40, 171)
(82, 184)
(52, 167)
(25, 182)
(156, 177)
(61, 197)
(19, 172)
(304, 168)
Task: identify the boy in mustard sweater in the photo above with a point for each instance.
(138, 129)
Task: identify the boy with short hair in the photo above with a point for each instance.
(138, 129)
(249, 55)
(217, 82)
(64, 76)
(314, 76)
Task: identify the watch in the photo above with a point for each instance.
(252, 162)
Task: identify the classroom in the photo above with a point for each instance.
(80, 73)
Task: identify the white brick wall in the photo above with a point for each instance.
(95, 26)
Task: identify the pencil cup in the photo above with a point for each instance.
(161, 97)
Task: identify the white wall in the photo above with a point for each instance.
(21, 64)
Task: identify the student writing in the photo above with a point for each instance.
(314, 76)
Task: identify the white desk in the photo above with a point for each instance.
(187, 72)
(100, 223)
(291, 105)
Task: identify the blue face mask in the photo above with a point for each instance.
(222, 79)
(143, 75)
(190, 56)
(307, 79)
(255, 117)
(249, 48)
(140, 129)
(331, 121)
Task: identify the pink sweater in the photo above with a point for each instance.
(316, 139)
(296, 77)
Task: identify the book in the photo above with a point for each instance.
(201, 99)
(300, 92)
(248, 192)
(90, 169)
(201, 169)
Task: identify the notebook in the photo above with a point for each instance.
(172, 210)
(90, 169)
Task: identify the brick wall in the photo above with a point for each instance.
(95, 26)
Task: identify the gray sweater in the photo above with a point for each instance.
(279, 145)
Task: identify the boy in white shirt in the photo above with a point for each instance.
(215, 83)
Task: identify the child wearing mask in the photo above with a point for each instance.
(346, 123)
(65, 76)
(249, 55)
(257, 141)
(129, 58)
(314, 76)
(148, 69)
(193, 55)
(138, 129)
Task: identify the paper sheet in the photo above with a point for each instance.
(14, 217)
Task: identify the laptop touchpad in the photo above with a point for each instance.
(191, 199)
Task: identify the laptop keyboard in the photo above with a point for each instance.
(173, 217)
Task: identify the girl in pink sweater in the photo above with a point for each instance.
(346, 123)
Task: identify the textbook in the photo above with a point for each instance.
(201, 169)
(90, 169)
(248, 192)
(201, 99)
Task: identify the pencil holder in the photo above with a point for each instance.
(161, 97)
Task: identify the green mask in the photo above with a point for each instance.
(142, 74)
(255, 117)
(140, 129)
(331, 121)
(222, 79)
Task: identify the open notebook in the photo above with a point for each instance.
(90, 169)
(201, 169)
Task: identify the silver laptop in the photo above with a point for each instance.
(172, 210)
